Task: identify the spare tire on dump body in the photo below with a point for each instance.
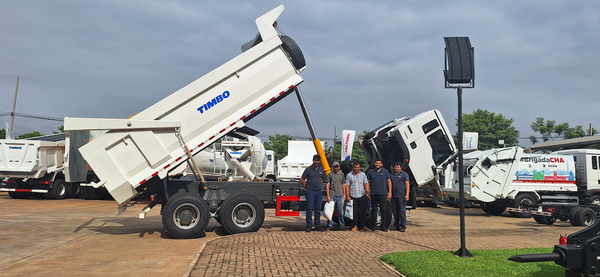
(292, 49)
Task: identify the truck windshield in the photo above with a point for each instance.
(440, 147)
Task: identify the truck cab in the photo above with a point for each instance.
(587, 163)
(422, 143)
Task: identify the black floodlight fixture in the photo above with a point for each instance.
(459, 62)
(459, 72)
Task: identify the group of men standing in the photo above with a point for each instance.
(384, 190)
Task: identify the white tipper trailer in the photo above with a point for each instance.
(134, 156)
(29, 167)
(561, 185)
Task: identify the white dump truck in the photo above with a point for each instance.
(34, 167)
(299, 157)
(549, 186)
(135, 156)
(422, 143)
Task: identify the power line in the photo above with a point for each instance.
(33, 116)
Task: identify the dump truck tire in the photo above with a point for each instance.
(292, 49)
(185, 215)
(242, 213)
(59, 190)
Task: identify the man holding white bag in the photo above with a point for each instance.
(336, 190)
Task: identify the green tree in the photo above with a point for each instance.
(491, 128)
(61, 129)
(358, 154)
(549, 130)
(279, 144)
(2, 134)
(30, 135)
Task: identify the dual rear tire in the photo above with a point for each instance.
(583, 216)
(186, 215)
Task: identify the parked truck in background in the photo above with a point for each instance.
(299, 157)
(241, 157)
(424, 146)
(34, 167)
(561, 185)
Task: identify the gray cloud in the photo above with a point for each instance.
(367, 61)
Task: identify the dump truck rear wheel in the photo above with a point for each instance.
(242, 213)
(185, 215)
(59, 190)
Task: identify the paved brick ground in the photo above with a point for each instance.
(75, 237)
(282, 248)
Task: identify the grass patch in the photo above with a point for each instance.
(493, 262)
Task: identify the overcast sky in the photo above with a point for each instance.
(368, 62)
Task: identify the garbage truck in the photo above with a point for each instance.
(135, 156)
(561, 185)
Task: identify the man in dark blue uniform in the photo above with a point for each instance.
(400, 191)
(311, 180)
(380, 193)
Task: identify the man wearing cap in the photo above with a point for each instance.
(311, 180)
(336, 190)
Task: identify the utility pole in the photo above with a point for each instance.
(12, 115)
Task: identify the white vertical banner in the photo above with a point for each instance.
(470, 140)
(9, 134)
(347, 143)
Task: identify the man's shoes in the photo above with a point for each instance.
(308, 229)
(344, 229)
(355, 228)
(385, 230)
(320, 229)
(365, 229)
(402, 229)
(327, 229)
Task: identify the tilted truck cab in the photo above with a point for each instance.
(422, 143)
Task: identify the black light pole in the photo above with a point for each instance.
(458, 73)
